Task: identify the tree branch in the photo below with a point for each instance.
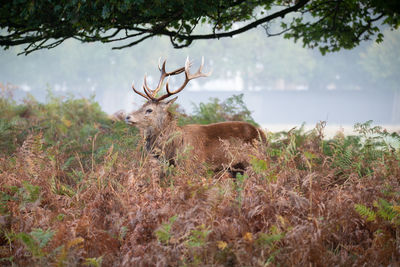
(135, 42)
(254, 24)
(333, 23)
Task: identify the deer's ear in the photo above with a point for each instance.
(171, 101)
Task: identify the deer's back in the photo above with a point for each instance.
(225, 130)
(206, 139)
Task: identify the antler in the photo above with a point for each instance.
(151, 94)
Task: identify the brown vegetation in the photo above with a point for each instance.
(122, 212)
(303, 201)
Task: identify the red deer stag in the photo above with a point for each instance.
(157, 124)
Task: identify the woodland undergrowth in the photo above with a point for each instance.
(77, 189)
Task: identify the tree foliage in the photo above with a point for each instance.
(329, 25)
(382, 61)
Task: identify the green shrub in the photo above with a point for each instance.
(231, 109)
(66, 126)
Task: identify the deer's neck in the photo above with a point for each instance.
(150, 139)
(163, 142)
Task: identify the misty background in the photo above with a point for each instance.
(282, 82)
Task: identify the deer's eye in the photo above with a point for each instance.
(149, 111)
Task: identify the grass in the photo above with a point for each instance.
(78, 190)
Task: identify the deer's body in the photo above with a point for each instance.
(206, 142)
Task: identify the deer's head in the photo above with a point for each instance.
(154, 114)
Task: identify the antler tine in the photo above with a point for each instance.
(150, 93)
(199, 73)
(188, 77)
(177, 71)
(139, 93)
(162, 69)
(159, 66)
(164, 74)
(162, 77)
(187, 66)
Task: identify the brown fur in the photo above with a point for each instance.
(208, 139)
(164, 137)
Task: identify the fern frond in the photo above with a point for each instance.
(386, 210)
(365, 212)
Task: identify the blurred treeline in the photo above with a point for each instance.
(262, 63)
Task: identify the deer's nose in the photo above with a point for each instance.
(128, 117)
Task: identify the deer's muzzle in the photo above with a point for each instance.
(130, 120)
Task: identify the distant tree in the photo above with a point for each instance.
(327, 24)
(260, 64)
(382, 63)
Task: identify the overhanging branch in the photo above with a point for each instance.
(254, 24)
(187, 39)
(341, 26)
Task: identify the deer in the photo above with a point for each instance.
(163, 136)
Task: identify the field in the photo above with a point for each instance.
(77, 189)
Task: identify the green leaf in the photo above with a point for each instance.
(30, 193)
(267, 240)
(96, 262)
(258, 165)
(42, 237)
(163, 233)
(198, 237)
(105, 13)
(365, 212)
(30, 244)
